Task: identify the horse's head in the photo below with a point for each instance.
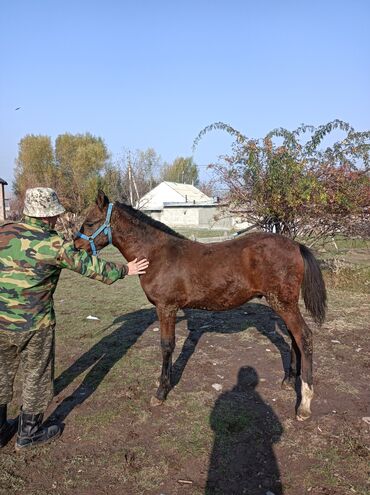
(95, 232)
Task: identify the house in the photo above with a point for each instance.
(172, 192)
(3, 183)
(183, 205)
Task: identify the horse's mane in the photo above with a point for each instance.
(142, 217)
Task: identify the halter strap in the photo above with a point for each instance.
(105, 228)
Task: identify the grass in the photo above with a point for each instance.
(10, 481)
(192, 435)
(345, 243)
(353, 277)
(340, 467)
(115, 442)
(133, 466)
(202, 233)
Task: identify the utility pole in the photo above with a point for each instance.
(130, 178)
(3, 183)
(135, 186)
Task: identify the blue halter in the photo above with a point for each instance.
(105, 228)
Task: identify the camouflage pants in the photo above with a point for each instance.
(35, 350)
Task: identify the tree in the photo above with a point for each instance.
(208, 187)
(73, 169)
(140, 170)
(35, 164)
(296, 188)
(182, 170)
(80, 159)
(112, 182)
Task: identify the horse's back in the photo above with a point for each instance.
(227, 274)
(263, 263)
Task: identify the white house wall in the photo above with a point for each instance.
(207, 219)
(157, 215)
(180, 217)
(197, 217)
(193, 216)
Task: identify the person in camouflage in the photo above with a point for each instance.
(32, 256)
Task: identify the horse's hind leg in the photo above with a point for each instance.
(167, 320)
(302, 336)
(294, 366)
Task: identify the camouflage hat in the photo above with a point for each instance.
(42, 202)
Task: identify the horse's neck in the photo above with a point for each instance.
(136, 241)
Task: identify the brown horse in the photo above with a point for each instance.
(218, 276)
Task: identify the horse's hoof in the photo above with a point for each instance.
(303, 415)
(154, 402)
(162, 393)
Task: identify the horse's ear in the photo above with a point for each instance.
(101, 200)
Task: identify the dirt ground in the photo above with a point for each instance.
(226, 428)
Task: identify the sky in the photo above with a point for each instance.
(146, 73)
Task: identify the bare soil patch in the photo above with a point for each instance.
(226, 429)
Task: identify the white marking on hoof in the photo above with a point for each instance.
(304, 410)
(154, 402)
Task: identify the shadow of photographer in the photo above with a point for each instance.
(245, 429)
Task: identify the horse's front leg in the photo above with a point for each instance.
(167, 321)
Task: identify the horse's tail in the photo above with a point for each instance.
(313, 286)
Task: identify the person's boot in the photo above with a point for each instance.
(31, 433)
(7, 428)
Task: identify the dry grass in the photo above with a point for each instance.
(115, 442)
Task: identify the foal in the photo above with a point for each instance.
(217, 276)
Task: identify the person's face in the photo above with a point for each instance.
(51, 221)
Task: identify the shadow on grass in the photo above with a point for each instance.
(111, 348)
(260, 316)
(100, 358)
(245, 429)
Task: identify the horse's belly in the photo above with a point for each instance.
(217, 300)
(210, 291)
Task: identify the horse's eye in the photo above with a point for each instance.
(89, 224)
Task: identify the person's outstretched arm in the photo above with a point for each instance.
(98, 269)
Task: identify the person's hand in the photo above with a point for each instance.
(136, 267)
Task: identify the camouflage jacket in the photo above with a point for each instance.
(31, 258)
